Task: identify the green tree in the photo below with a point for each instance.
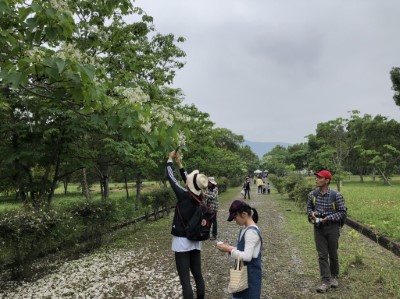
(379, 146)
(298, 155)
(72, 71)
(395, 77)
(276, 161)
(330, 147)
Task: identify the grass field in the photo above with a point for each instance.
(375, 205)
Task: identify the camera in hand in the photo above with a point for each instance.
(317, 221)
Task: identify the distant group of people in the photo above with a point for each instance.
(262, 186)
(249, 243)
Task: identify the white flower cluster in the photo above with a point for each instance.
(181, 139)
(93, 29)
(146, 127)
(59, 5)
(132, 95)
(36, 53)
(112, 274)
(164, 114)
(71, 51)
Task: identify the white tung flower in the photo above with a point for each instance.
(146, 127)
(36, 53)
(59, 5)
(164, 114)
(132, 95)
(181, 138)
(72, 52)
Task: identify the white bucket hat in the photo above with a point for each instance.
(211, 179)
(196, 182)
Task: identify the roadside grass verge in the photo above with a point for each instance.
(367, 270)
(375, 205)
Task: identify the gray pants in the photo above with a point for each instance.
(327, 241)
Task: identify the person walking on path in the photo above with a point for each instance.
(248, 249)
(211, 196)
(268, 188)
(260, 185)
(326, 215)
(187, 252)
(246, 187)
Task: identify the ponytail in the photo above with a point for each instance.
(251, 211)
(254, 215)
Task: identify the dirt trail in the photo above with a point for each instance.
(281, 264)
(146, 269)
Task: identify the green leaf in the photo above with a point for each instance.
(60, 65)
(23, 11)
(87, 71)
(4, 7)
(15, 78)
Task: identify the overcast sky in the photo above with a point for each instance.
(271, 70)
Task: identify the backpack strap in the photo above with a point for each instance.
(179, 212)
(332, 198)
(314, 198)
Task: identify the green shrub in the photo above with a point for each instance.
(300, 192)
(97, 217)
(290, 182)
(278, 183)
(24, 235)
(223, 184)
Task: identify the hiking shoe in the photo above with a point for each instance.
(334, 282)
(213, 238)
(323, 288)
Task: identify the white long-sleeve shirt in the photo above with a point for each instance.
(252, 245)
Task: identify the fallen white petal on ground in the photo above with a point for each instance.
(111, 274)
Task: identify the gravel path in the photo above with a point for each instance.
(145, 268)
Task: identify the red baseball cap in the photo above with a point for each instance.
(324, 174)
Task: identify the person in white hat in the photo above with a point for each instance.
(187, 252)
(211, 195)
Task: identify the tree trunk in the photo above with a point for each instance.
(386, 180)
(102, 187)
(85, 186)
(361, 178)
(54, 182)
(65, 182)
(338, 185)
(106, 187)
(126, 184)
(138, 186)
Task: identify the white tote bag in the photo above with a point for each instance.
(238, 277)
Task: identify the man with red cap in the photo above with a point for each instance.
(326, 208)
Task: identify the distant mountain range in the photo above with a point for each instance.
(261, 148)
